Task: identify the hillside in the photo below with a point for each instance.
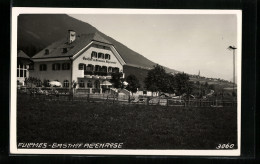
(36, 31)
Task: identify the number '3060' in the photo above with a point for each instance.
(225, 146)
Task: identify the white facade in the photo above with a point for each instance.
(87, 70)
(49, 74)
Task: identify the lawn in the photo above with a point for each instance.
(136, 126)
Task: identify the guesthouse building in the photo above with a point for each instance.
(87, 60)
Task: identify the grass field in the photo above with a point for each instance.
(136, 126)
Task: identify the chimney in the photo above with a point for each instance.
(72, 36)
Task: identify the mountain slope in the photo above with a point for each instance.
(36, 31)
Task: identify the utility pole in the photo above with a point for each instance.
(233, 48)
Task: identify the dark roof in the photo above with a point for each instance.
(56, 48)
(24, 61)
(21, 54)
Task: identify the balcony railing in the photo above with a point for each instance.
(100, 73)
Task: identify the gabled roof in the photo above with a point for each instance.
(56, 48)
(22, 58)
(21, 54)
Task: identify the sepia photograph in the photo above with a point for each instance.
(125, 81)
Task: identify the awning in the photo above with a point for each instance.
(125, 83)
(55, 83)
(106, 83)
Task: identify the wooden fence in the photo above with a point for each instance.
(192, 103)
(67, 95)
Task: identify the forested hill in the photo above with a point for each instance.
(36, 31)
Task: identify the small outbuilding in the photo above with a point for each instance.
(23, 65)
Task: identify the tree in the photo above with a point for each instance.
(155, 80)
(206, 85)
(116, 80)
(169, 84)
(46, 83)
(133, 83)
(212, 86)
(189, 88)
(33, 81)
(182, 84)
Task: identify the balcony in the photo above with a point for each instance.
(100, 74)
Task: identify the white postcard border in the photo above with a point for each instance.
(13, 95)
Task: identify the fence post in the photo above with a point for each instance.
(129, 99)
(113, 98)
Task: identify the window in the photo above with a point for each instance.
(66, 83)
(94, 54)
(81, 84)
(21, 73)
(104, 69)
(107, 56)
(89, 84)
(82, 66)
(21, 70)
(47, 52)
(100, 55)
(97, 68)
(89, 67)
(64, 50)
(115, 70)
(66, 66)
(110, 69)
(43, 67)
(56, 66)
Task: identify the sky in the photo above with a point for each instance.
(189, 43)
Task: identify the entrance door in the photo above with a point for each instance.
(97, 84)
